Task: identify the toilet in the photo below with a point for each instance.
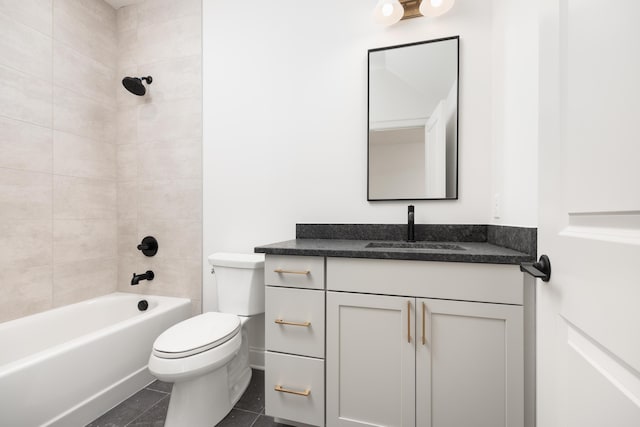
(206, 357)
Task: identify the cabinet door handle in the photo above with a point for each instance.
(424, 315)
(409, 322)
(281, 389)
(285, 322)
(281, 271)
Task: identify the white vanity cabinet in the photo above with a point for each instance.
(401, 358)
(398, 343)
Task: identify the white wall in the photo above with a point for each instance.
(515, 113)
(285, 98)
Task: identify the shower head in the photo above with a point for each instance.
(135, 86)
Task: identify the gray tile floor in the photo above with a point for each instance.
(148, 408)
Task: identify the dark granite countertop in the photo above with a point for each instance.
(474, 252)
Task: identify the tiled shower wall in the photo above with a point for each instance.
(159, 147)
(87, 169)
(58, 215)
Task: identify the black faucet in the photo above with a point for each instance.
(411, 230)
(144, 276)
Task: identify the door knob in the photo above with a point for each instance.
(540, 269)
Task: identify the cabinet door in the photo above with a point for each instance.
(370, 360)
(469, 364)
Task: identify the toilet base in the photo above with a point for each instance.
(201, 402)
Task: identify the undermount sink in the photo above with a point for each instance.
(415, 245)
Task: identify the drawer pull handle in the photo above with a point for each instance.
(281, 389)
(285, 322)
(281, 271)
(424, 315)
(409, 322)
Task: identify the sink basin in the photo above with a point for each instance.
(415, 245)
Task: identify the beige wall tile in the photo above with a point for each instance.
(160, 11)
(80, 115)
(25, 244)
(34, 13)
(170, 199)
(128, 240)
(160, 189)
(25, 195)
(24, 49)
(25, 146)
(88, 26)
(25, 98)
(25, 291)
(177, 78)
(79, 73)
(127, 18)
(82, 239)
(164, 121)
(83, 198)
(170, 159)
(127, 122)
(127, 195)
(80, 280)
(170, 39)
(82, 157)
(128, 162)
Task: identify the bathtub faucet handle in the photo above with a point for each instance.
(144, 276)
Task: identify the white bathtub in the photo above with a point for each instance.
(66, 366)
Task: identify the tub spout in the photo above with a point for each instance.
(144, 276)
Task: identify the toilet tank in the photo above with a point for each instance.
(240, 282)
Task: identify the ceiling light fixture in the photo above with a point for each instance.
(388, 12)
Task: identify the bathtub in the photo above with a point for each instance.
(67, 366)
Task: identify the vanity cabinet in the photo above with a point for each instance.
(399, 361)
(426, 344)
(396, 342)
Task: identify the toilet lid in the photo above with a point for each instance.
(195, 335)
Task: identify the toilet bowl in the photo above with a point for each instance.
(206, 357)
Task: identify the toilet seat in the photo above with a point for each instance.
(196, 335)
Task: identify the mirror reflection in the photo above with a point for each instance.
(413, 121)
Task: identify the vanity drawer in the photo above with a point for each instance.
(494, 283)
(301, 384)
(294, 271)
(294, 321)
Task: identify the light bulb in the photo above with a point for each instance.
(388, 12)
(432, 8)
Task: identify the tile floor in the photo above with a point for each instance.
(148, 408)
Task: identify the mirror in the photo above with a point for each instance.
(413, 121)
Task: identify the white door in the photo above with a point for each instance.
(588, 327)
(370, 360)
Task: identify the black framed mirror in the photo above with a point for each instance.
(412, 118)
